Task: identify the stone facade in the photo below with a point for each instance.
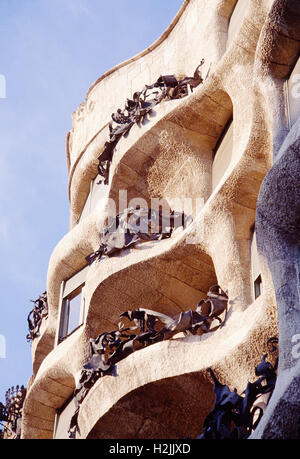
(245, 173)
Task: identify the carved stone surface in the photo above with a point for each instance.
(170, 156)
(278, 236)
(136, 110)
(150, 327)
(278, 229)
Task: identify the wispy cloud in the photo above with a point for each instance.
(78, 8)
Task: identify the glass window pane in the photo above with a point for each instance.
(64, 320)
(74, 311)
(257, 287)
(83, 310)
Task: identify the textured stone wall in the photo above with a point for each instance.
(167, 157)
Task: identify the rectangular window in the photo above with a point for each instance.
(63, 418)
(72, 304)
(257, 287)
(256, 279)
(222, 154)
(236, 19)
(72, 315)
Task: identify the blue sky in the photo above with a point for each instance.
(51, 51)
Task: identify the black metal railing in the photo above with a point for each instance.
(150, 327)
(167, 87)
(137, 225)
(36, 316)
(11, 412)
(236, 416)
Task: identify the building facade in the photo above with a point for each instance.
(214, 136)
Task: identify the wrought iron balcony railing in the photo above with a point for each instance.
(167, 87)
(137, 225)
(36, 316)
(150, 327)
(234, 416)
(11, 412)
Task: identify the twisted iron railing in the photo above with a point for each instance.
(36, 316)
(234, 416)
(137, 225)
(11, 412)
(167, 87)
(150, 327)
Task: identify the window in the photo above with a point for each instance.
(222, 154)
(72, 305)
(257, 287)
(72, 312)
(236, 19)
(63, 419)
(292, 90)
(96, 194)
(256, 279)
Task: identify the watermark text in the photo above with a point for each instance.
(2, 347)
(2, 87)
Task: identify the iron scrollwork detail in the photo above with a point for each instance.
(36, 316)
(234, 416)
(150, 327)
(137, 225)
(167, 87)
(11, 412)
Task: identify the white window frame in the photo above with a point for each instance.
(69, 286)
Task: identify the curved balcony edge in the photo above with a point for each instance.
(222, 350)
